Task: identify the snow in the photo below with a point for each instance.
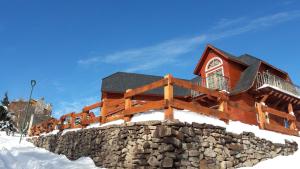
(50, 133)
(189, 117)
(146, 116)
(68, 130)
(26, 156)
(113, 122)
(5, 108)
(279, 89)
(93, 125)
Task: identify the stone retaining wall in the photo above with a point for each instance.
(156, 144)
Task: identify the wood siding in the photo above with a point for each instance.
(242, 108)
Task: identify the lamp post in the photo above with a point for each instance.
(25, 123)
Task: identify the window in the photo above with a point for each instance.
(215, 79)
(67, 120)
(215, 74)
(213, 63)
(77, 120)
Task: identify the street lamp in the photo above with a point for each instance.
(25, 122)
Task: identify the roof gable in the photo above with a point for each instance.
(218, 51)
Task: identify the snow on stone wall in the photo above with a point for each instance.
(163, 144)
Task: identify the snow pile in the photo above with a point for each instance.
(150, 115)
(50, 133)
(26, 156)
(68, 130)
(93, 125)
(120, 121)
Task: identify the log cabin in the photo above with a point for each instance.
(258, 92)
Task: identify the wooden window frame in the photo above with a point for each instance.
(212, 68)
(211, 71)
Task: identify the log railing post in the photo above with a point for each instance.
(128, 104)
(223, 107)
(168, 95)
(261, 115)
(103, 111)
(72, 120)
(293, 122)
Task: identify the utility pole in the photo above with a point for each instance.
(25, 122)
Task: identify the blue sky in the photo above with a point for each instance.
(69, 46)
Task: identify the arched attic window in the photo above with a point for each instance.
(214, 72)
(213, 63)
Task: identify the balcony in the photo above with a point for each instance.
(215, 82)
(267, 79)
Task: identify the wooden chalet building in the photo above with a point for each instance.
(257, 92)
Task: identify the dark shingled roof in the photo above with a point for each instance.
(248, 76)
(119, 82)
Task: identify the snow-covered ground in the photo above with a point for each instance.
(26, 156)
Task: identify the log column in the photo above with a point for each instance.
(261, 115)
(72, 122)
(291, 112)
(223, 107)
(103, 111)
(168, 95)
(128, 105)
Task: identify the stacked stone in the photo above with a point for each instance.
(168, 144)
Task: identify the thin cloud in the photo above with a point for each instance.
(258, 24)
(58, 86)
(151, 57)
(228, 23)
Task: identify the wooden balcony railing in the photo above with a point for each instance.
(266, 121)
(215, 82)
(266, 78)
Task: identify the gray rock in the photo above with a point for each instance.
(194, 153)
(153, 161)
(172, 140)
(209, 153)
(205, 144)
(167, 162)
(211, 139)
(163, 131)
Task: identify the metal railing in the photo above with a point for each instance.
(267, 78)
(215, 82)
